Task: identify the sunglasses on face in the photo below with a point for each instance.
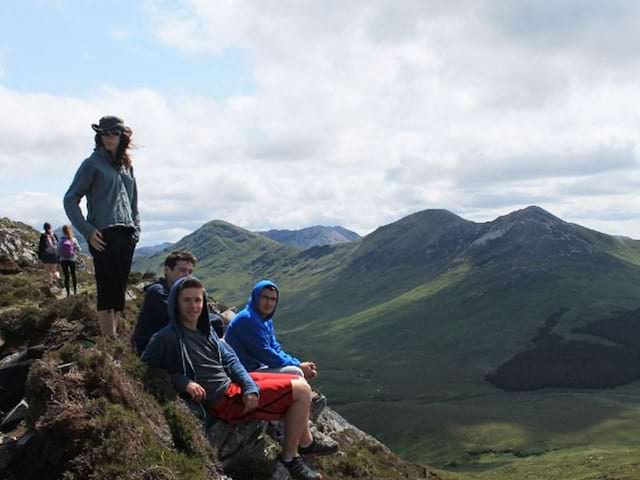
(113, 132)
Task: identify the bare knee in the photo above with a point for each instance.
(301, 390)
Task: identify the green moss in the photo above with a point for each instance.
(121, 445)
(20, 290)
(19, 324)
(186, 431)
(106, 426)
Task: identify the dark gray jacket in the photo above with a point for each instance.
(168, 350)
(153, 314)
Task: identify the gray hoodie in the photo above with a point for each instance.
(168, 350)
(112, 196)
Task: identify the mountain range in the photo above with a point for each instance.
(423, 328)
(303, 238)
(507, 347)
(317, 235)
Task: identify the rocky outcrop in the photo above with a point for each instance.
(18, 242)
(250, 451)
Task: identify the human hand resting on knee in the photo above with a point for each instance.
(309, 369)
(196, 392)
(250, 402)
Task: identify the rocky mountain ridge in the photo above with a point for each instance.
(314, 236)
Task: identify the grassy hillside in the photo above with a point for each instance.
(407, 322)
(96, 411)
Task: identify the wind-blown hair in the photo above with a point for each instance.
(122, 152)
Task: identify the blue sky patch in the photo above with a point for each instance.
(76, 48)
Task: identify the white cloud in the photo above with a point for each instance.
(33, 208)
(3, 64)
(367, 111)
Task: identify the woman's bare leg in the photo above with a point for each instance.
(108, 321)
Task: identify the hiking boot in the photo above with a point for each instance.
(318, 403)
(300, 470)
(319, 447)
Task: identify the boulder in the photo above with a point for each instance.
(8, 266)
(19, 242)
(7, 445)
(12, 380)
(15, 416)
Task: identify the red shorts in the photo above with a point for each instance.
(276, 395)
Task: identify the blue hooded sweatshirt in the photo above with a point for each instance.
(168, 350)
(252, 337)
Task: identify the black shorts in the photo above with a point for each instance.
(49, 258)
(112, 266)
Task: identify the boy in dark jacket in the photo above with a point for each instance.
(203, 368)
(153, 314)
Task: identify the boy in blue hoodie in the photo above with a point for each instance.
(252, 337)
(206, 371)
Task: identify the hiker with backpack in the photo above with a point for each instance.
(68, 248)
(112, 225)
(48, 254)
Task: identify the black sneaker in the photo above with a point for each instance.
(300, 470)
(318, 403)
(319, 447)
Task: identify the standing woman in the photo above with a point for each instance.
(68, 248)
(48, 253)
(112, 226)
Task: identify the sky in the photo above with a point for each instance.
(291, 113)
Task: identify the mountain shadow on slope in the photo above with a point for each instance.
(555, 362)
(623, 328)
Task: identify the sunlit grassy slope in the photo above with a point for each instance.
(406, 322)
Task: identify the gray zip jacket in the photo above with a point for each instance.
(168, 350)
(112, 196)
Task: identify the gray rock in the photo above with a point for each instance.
(19, 242)
(7, 445)
(252, 447)
(15, 415)
(243, 446)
